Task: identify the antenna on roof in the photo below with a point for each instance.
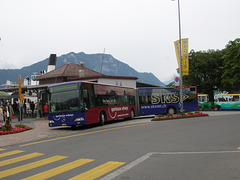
(102, 61)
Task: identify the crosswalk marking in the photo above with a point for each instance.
(20, 158)
(58, 170)
(98, 171)
(88, 175)
(29, 166)
(10, 153)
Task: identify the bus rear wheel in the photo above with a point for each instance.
(171, 110)
(216, 108)
(102, 118)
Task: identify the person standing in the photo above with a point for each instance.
(45, 110)
(20, 112)
(10, 112)
(40, 104)
(32, 107)
(4, 111)
(1, 115)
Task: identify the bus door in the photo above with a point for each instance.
(87, 103)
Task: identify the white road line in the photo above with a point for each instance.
(148, 155)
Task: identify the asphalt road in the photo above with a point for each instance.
(193, 148)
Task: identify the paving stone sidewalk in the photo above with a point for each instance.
(40, 130)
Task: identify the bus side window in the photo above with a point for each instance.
(91, 99)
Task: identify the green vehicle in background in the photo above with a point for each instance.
(227, 101)
(221, 101)
(203, 102)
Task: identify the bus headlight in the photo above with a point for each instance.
(79, 119)
(51, 121)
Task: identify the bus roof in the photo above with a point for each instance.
(73, 82)
(171, 87)
(227, 95)
(202, 94)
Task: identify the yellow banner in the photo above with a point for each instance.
(185, 62)
(177, 49)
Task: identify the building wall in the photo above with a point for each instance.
(51, 80)
(119, 82)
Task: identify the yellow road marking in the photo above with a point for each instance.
(92, 132)
(2, 149)
(10, 153)
(29, 166)
(58, 170)
(20, 158)
(98, 171)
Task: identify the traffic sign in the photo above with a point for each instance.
(177, 81)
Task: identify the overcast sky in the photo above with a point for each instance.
(140, 33)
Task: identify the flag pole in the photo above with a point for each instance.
(180, 68)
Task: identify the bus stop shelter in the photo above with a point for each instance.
(4, 95)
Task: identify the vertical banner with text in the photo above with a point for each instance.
(185, 61)
(177, 49)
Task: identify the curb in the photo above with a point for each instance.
(173, 118)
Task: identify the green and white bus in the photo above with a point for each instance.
(227, 101)
(204, 104)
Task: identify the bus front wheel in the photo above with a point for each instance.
(73, 127)
(102, 118)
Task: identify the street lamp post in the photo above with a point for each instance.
(180, 68)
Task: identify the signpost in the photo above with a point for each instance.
(177, 81)
(21, 98)
(19, 85)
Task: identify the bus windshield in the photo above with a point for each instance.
(63, 98)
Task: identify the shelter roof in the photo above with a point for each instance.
(4, 95)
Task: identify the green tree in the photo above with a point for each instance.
(205, 71)
(171, 84)
(231, 66)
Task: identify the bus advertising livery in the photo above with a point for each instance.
(164, 100)
(81, 103)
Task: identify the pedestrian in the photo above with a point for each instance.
(40, 108)
(10, 112)
(45, 110)
(32, 107)
(24, 109)
(1, 115)
(20, 112)
(4, 111)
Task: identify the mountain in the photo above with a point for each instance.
(110, 66)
